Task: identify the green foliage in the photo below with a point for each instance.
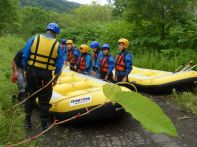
(85, 23)
(148, 113)
(115, 30)
(11, 129)
(34, 20)
(160, 24)
(92, 13)
(8, 15)
(2, 126)
(166, 59)
(57, 5)
(186, 101)
(9, 45)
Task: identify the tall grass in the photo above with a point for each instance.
(167, 60)
(11, 124)
(186, 101)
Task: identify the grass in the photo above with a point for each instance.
(11, 124)
(168, 60)
(186, 101)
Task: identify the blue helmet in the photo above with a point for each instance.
(105, 46)
(53, 27)
(64, 41)
(94, 44)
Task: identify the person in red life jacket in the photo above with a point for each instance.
(97, 53)
(72, 55)
(106, 64)
(18, 75)
(123, 64)
(84, 64)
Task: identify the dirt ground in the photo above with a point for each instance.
(121, 132)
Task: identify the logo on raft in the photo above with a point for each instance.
(79, 101)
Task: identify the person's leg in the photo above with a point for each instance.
(29, 104)
(44, 99)
(120, 78)
(102, 75)
(110, 78)
(21, 84)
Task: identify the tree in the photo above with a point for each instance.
(93, 13)
(153, 18)
(34, 20)
(8, 14)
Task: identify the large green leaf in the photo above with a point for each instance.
(148, 113)
(110, 91)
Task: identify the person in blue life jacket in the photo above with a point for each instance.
(63, 46)
(42, 55)
(97, 53)
(123, 65)
(72, 55)
(84, 63)
(106, 64)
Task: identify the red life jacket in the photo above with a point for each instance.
(120, 62)
(95, 56)
(70, 56)
(104, 64)
(82, 62)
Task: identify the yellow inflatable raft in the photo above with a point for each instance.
(161, 82)
(76, 93)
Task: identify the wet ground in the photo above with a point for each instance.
(122, 132)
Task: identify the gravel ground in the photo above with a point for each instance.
(121, 132)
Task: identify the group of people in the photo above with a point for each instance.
(43, 56)
(100, 64)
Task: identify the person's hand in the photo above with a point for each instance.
(115, 78)
(25, 74)
(13, 78)
(75, 67)
(54, 82)
(94, 73)
(86, 73)
(106, 77)
(16, 74)
(125, 79)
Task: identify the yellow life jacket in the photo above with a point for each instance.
(43, 52)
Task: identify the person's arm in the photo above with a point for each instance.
(111, 65)
(88, 62)
(128, 63)
(14, 68)
(59, 62)
(26, 52)
(76, 55)
(100, 56)
(97, 64)
(115, 77)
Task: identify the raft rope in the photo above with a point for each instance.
(56, 122)
(27, 98)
